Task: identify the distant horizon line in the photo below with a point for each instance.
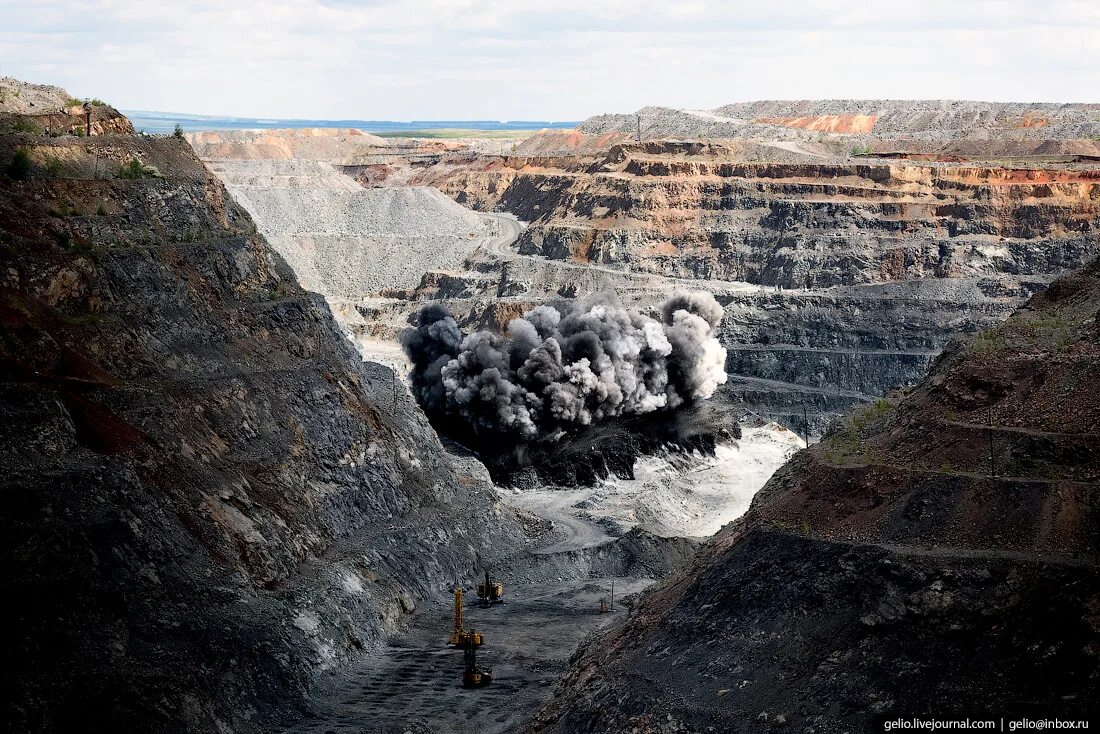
(159, 114)
(155, 121)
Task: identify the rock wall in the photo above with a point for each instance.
(209, 497)
(937, 556)
(803, 226)
(841, 279)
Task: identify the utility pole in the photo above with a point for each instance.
(393, 378)
(992, 460)
(805, 426)
(612, 594)
(638, 121)
(88, 118)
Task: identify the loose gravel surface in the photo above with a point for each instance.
(24, 98)
(347, 241)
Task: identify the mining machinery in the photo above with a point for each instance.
(462, 637)
(473, 676)
(490, 590)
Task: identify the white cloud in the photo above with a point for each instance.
(555, 59)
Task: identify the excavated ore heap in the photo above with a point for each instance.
(936, 556)
(186, 435)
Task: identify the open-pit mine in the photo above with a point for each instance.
(778, 415)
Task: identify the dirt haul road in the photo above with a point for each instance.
(559, 506)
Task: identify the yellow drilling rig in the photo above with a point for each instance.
(490, 590)
(461, 637)
(474, 676)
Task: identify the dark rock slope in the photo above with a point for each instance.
(934, 555)
(207, 496)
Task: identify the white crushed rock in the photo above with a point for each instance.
(346, 241)
(668, 496)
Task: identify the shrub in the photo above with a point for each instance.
(178, 132)
(862, 150)
(20, 166)
(52, 167)
(862, 417)
(23, 125)
(135, 169)
(101, 210)
(990, 341)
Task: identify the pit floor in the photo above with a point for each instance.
(415, 684)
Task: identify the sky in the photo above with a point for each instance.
(545, 59)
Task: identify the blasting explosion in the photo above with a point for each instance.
(558, 368)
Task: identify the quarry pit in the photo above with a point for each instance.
(209, 345)
(808, 330)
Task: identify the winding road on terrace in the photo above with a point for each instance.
(510, 228)
(559, 506)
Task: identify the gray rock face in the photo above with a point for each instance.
(208, 496)
(931, 120)
(786, 633)
(937, 553)
(840, 280)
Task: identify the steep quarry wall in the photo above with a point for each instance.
(841, 279)
(209, 497)
(938, 554)
(801, 226)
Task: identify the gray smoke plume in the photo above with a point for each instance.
(566, 365)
